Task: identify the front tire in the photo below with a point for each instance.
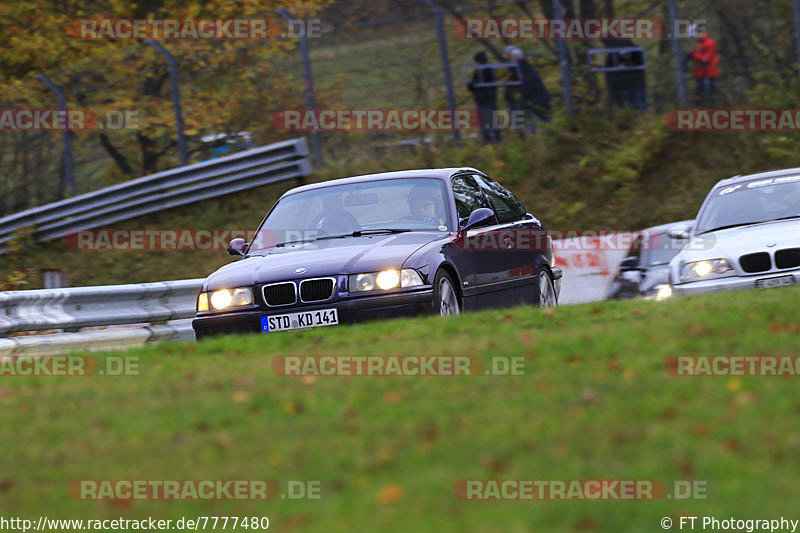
(547, 292)
(445, 296)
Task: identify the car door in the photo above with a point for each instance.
(510, 276)
(468, 197)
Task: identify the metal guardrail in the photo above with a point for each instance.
(107, 305)
(101, 339)
(163, 190)
(172, 302)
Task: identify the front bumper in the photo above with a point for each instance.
(729, 284)
(349, 310)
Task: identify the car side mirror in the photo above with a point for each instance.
(679, 234)
(238, 246)
(629, 263)
(478, 217)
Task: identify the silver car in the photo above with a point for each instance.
(747, 236)
(645, 270)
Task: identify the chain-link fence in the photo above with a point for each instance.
(366, 56)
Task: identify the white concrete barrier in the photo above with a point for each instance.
(589, 266)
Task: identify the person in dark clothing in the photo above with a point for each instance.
(626, 88)
(530, 96)
(485, 97)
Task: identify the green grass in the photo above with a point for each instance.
(595, 402)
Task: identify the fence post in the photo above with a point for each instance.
(316, 143)
(448, 75)
(796, 11)
(68, 185)
(676, 50)
(563, 61)
(176, 98)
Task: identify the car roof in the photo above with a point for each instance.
(759, 176)
(663, 228)
(437, 173)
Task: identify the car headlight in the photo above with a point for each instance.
(225, 298)
(384, 280)
(663, 292)
(697, 270)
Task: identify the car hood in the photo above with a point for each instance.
(349, 255)
(735, 242)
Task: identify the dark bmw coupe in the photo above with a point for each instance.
(393, 244)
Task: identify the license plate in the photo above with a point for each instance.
(769, 283)
(306, 319)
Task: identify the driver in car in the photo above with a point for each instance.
(423, 207)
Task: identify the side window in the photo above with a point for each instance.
(507, 207)
(468, 197)
(637, 247)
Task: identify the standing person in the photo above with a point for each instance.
(531, 96)
(706, 65)
(638, 82)
(614, 79)
(485, 97)
(627, 87)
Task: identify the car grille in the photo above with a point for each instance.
(315, 290)
(789, 258)
(280, 294)
(753, 263)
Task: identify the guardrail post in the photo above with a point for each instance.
(68, 186)
(448, 75)
(796, 16)
(176, 98)
(316, 143)
(676, 51)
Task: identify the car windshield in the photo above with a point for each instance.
(390, 205)
(752, 202)
(660, 249)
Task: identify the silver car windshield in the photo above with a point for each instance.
(751, 203)
(340, 211)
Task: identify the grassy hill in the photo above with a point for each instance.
(594, 402)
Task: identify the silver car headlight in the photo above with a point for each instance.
(227, 298)
(384, 280)
(706, 269)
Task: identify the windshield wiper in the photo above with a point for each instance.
(361, 233)
(280, 244)
(784, 218)
(729, 226)
(750, 223)
(354, 234)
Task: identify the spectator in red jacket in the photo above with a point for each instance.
(706, 64)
